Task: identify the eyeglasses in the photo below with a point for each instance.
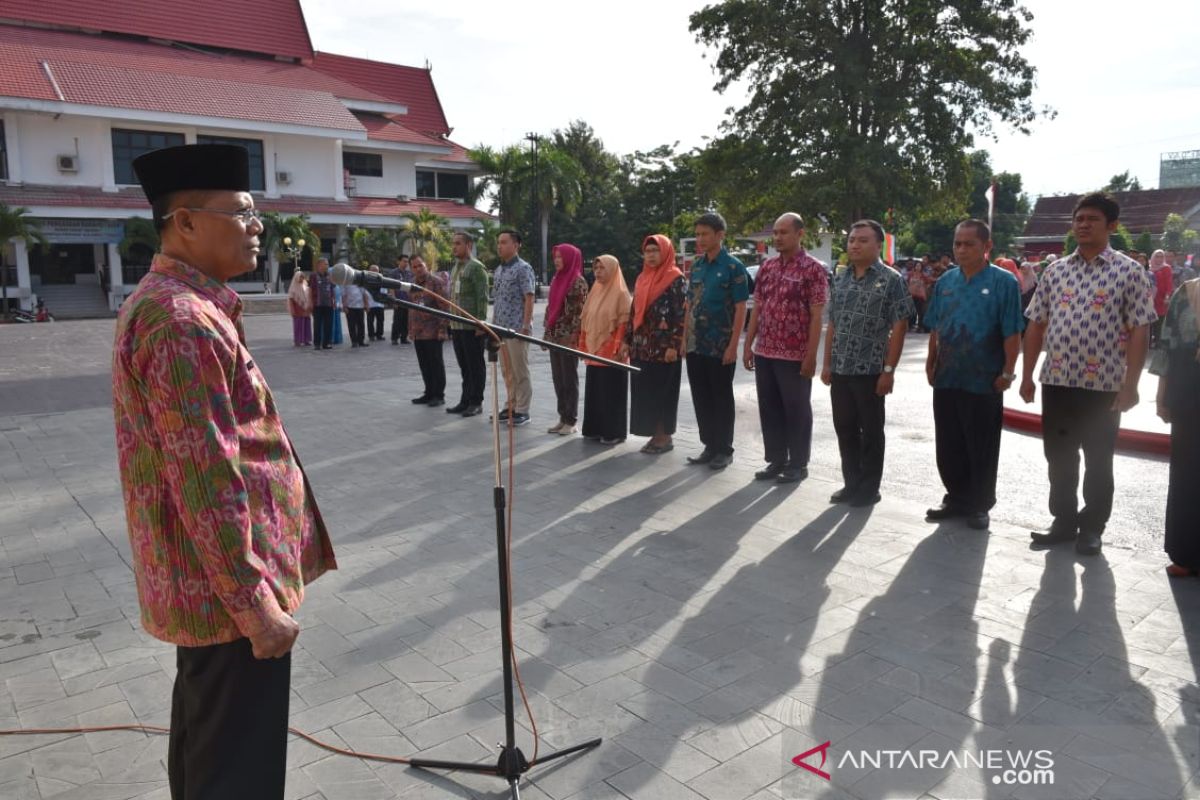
(246, 215)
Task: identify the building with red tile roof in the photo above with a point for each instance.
(1141, 211)
(87, 87)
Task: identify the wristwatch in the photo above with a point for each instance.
(1008, 377)
(888, 369)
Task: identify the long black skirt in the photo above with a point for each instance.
(605, 395)
(1183, 492)
(654, 397)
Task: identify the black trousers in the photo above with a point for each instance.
(858, 421)
(433, 367)
(564, 369)
(375, 323)
(967, 429)
(785, 410)
(322, 326)
(468, 351)
(1075, 420)
(399, 324)
(229, 717)
(712, 397)
(605, 402)
(356, 328)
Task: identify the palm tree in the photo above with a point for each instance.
(140, 235)
(428, 233)
(558, 184)
(15, 223)
(374, 246)
(486, 232)
(504, 171)
(276, 228)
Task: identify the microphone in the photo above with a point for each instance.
(344, 275)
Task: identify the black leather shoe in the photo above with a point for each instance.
(864, 500)
(1087, 544)
(420, 401)
(792, 475)
(980, 521)
(434, 402)
(704, 457)
(771, 471)
(1052, 536)
(720, 461)
(456, 409)
(472, 411)
(843, 495)
(944, 512)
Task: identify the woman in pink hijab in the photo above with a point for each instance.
(568, 293)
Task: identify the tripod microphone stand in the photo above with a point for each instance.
(512, 763)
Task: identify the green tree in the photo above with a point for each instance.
(428, 235)
(486, 233)
(557, 180)
(140, 242)
(1011, 207)
(277, 228)
(1123, 183)
(503, 177)
(378, 246)
(1177, 236)
(15, 224)
(1144, 243)
(871, 101)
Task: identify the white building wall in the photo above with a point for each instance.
(44, 138)
(307, 159)
(399, 175)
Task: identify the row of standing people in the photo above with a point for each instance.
(1086, 322)
(316, 305)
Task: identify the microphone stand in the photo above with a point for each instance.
(512, 763)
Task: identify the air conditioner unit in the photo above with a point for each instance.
(403, 198)
(283, 177)
(68, 163)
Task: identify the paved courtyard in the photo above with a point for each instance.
(709, 627)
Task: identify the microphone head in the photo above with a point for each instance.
(342, 274)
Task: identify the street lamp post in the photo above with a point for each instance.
(535, 139)
(292, 252)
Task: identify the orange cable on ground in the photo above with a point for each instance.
(156, 729)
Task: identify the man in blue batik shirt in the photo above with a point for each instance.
(975, 319)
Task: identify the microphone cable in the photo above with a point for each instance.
(506, 367)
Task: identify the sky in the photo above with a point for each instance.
(1123, 77)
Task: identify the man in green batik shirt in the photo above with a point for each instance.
(469, 291)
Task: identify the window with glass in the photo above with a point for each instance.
(426, 183)
(3, 154)
(254, 148)
(367, 165)
(129, 144)
(441, 185)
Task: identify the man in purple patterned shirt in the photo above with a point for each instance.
(1092, 310)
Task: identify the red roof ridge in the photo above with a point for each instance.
(412, 86)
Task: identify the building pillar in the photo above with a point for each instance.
(116, 281)
(24, 284)
(339, 175)
(12, 143)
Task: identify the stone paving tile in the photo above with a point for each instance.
(702, 623)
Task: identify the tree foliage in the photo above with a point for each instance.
(140, 242)
(378, 246)
(869, 102)
(1122, 183)
(1177, 236)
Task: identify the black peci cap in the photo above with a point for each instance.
(222, 167)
